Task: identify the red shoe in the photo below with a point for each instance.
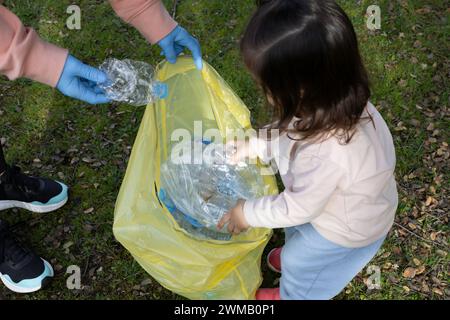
(268, 294)
(274, 259)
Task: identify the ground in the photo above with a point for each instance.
(87, 146)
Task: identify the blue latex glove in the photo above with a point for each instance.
(79, 81)
(175, 42)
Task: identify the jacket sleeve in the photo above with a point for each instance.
(149, 17)
(315, 180)
(24, 54)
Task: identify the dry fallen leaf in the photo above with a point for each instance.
(433, 236)
(87, 160)
(387, 266)
(67, 245)
(146, 282)
(420, 270)
(409, 273)
(412, 226)
(425, 287)
(441, 253)
(90, 210)
(438, 291)
(424, 10)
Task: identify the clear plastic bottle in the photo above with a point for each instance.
(206, 191)
(132, 82)
(192, 226)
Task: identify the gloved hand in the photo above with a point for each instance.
(79, 81)
(175, 42)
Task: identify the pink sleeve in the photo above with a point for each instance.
(150, 17)
(24, 54)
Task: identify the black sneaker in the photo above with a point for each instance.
(21, 270)
(31, 193)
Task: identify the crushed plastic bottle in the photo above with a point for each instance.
(132, 82)
(206, 191)
(190, 225)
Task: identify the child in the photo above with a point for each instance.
(336, 156)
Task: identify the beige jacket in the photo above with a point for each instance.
(347, 192)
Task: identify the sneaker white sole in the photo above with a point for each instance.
(8, 204)
(271, 267)
(18, 289)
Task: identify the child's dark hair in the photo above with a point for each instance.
(304, 54)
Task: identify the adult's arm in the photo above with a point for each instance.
(24, 54)
(149, 17)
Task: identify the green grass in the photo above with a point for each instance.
(88, 146)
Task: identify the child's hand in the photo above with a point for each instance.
(235, 218)
(237, 151)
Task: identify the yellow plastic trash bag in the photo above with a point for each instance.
(196, 269)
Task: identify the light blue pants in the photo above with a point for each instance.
(314, 268)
